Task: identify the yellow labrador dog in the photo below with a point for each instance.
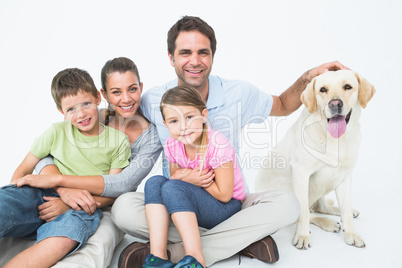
(319, 152)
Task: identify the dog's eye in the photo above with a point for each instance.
(347, 87)
(323, 90)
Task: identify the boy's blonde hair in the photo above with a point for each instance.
(69, 82)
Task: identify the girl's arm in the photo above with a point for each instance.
(176, 172)
(193, 176)
(222, 188)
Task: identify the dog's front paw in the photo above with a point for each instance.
(354, 239)
(302, 241)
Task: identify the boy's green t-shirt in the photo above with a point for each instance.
(77, 154)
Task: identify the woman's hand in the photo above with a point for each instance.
(52, 208)
(38, 181)
(193, 176)
(78, 199)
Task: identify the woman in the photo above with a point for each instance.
(121, 87)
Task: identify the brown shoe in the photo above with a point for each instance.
(264, 250)
(133, 255)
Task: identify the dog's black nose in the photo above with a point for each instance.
(335, 105)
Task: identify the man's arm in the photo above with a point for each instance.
(289, 101)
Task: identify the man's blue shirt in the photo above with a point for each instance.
(231, 105)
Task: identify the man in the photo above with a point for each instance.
(231, 105)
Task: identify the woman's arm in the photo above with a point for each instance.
(50, 177)
(76, 199)
(93, 184)
(105, 201)
(222, 188)
(145, 152)
(125, 181)
(58, 182)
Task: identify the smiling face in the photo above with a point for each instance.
(185, 123)
(82, 111)
(336, 92)
(192, 59)
(123, 92)
(336, 95)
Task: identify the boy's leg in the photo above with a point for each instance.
(19, 218)
(262, 214)
(98, 250)
(11, 247)
(63, 235)
(43, 254)
(18, 211)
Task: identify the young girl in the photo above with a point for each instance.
(192, 145)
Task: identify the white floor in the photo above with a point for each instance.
(329, 249)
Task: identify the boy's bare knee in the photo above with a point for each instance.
(69, 243)
(62, 243)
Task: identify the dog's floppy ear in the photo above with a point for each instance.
(366, 91)
(308, 97)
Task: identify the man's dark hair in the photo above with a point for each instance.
(188, 24)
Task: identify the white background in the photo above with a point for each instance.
(268, 43)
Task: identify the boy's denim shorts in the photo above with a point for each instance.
(19, 217)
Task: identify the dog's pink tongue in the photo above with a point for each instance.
(337, 126)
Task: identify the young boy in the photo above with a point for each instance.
(80, 146)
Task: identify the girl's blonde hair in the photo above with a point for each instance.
(186, 95)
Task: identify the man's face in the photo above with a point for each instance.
(192, 59)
